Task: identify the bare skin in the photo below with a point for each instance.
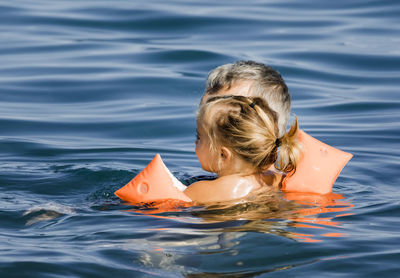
(232, 187)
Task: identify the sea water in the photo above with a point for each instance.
(90, 91)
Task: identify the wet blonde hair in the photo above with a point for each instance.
(249, 128)
(267, 83)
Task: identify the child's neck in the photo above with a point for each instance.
(236, 167)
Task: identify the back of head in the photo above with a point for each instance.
(266, 83)
(249, 128)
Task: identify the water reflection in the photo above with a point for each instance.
(283, 214)
(243, 274)
(178, 237)
(311, 216)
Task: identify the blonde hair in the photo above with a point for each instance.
(267, 83)
(249, 128)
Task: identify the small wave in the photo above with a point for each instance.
(46, 212)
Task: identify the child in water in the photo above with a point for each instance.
(238, 139)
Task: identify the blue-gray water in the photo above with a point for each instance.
(90, 91)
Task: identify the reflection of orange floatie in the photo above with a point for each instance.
(333, 205)
(317, 171)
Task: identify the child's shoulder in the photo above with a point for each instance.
(221, 189)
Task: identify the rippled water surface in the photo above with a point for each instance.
(90, 91)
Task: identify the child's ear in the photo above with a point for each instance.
(225, 154)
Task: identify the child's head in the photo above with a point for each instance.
(248, 128)
(251, 79)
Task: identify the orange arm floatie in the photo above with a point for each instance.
(318, 168)
(154, 183)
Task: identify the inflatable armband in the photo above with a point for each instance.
(318, 168)
(154, 183)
